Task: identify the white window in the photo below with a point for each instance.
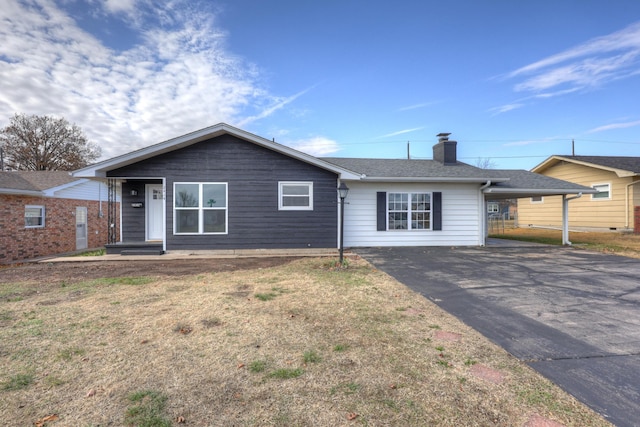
(409, 211)
(537, 199)
(33, 216)
(295, 196)
(604, 192)
(200, 208)
(493, 208)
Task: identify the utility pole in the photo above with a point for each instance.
(573, 147)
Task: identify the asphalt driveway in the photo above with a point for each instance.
(572, 315)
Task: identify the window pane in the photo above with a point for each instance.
(398, 201)
(420, 202)
(186, 221)
(603, 191)
(420, 220)
(295, 190)
(33, 217)
(215, 221)
(187, 195)
(295, 201)
(215, 195)
(397, 221)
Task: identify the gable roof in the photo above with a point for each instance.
(36, 183)
(522, 183)
(100, 169)
(416, 170)
(620, 165)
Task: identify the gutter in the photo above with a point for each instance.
(483, 212)
(565, 218)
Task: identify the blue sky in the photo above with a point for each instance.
(514, 82)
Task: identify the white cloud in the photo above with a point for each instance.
(594, 63)
(612, 126)
(400, 132)
(316, 146)
(175, 81)
(505, 108)
(416, 106)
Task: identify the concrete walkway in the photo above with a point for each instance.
(572, 315)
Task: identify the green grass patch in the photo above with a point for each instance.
(147, 410)
(68, 353)
(257, 366)
(17, 382)
(97, 252)
(340, 347)
(534, 239)
(266, 296)
(345, 388)
(311, 357)
(286, 373)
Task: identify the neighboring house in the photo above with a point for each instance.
(222, 188)
(46, 213)
(611, 208)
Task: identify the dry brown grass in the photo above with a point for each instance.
(377, 354)
(626, 244)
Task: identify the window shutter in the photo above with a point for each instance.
(437, 210)
(382, 211)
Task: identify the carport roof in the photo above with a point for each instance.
(522, 183)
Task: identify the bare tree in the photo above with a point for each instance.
(485, 163)
(45, 143)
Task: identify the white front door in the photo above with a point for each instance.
(154, 208)
(81, 227)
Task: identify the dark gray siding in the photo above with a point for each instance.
(252, 173)
(133, 219)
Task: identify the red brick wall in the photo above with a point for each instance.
(636, 219)
(59, 233)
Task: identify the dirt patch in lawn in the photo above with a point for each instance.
(251, 342)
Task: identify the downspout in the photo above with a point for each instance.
(626, 201)
(565, 217)
(483, 208)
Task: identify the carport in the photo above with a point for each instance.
(523, 184)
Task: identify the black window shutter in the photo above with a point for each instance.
(437, 210)
(382, 211)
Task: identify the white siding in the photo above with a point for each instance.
(461, 216)
(84, 190)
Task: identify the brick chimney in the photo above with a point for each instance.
(445, 150)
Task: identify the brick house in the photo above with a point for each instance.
(45, 213)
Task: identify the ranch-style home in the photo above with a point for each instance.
(222, 188)
(612, 207)
(45, 213)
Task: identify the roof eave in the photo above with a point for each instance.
(551, 161)
(539, 192)
(13, 191)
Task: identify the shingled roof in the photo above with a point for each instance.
(30, 182)
(620, 164)
(414, 169)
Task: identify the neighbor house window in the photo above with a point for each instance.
(295, 196)
(493, 208)
(34, 216)
(409, 211)
(537, 199)
(604, 191)
(200, 208)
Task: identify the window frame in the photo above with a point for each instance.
(535, 202)
(201, 209)
(409, 211)
(42, 216)
(601, 184)
(282, 195)
(493, 208)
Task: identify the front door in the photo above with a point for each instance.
(81, 227)
(155, 206)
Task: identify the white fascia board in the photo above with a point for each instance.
(539, 192)
(621, 173)
(434, 179)
(100, 169)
